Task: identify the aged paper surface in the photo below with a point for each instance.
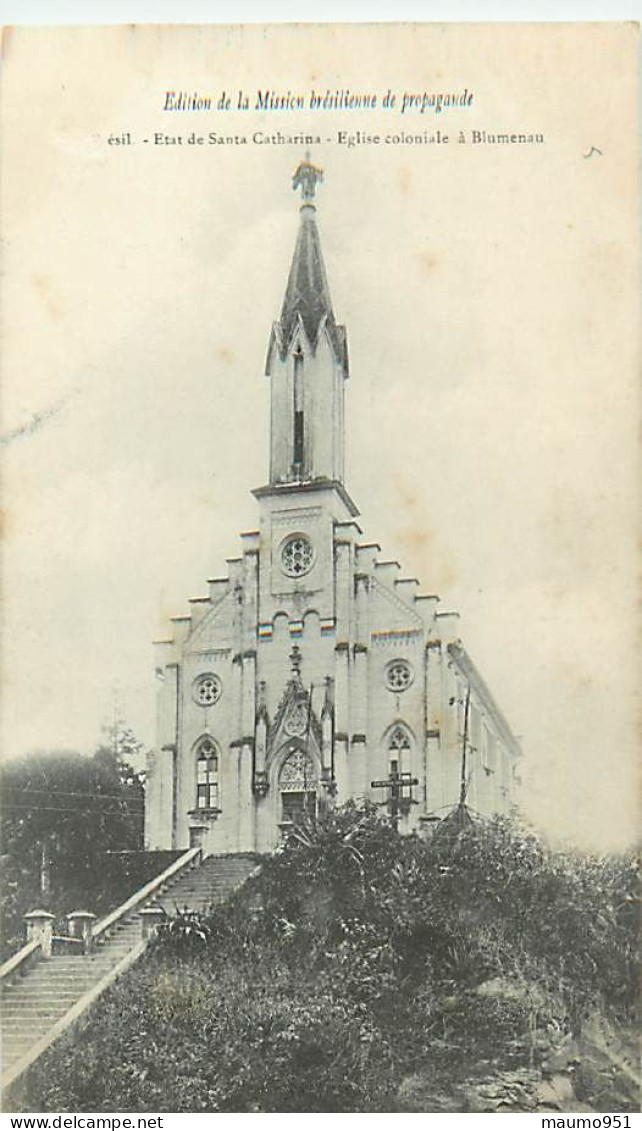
(478, 218)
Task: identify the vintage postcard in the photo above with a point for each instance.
(320, 372)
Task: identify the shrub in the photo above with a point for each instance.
(354, 959)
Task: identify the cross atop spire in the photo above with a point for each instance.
(306, 177)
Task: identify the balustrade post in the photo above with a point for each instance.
(80, 925)
(40, 929)
(150, 917)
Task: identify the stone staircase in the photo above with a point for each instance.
(42, 1003)
(215, 880)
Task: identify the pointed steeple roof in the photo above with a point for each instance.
(307, 301)
(307, 295)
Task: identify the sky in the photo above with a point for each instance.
(489, 296)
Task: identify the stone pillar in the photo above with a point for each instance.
(341, 689)
(344, 590)
(362, 606)
(245, 832)
(250, 588)
(341, 775)
(359, 693)
(248, 693)
(150, 917)
(341, 722)
(260, 745)
(236, 692)
(327, 728)
(80, 925)
(160, 795)
(168, 759)
(40, 929)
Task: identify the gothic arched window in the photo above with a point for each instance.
(398, 749)
(298, 786)
(207, 796)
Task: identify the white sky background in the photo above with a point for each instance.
(492, 410)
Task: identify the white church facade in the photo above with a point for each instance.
(315, 671)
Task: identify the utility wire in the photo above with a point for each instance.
(65, 793)
(71, 809)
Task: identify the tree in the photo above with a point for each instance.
(62, 811)
(121, 740)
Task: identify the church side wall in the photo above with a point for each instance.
(396, 717)
(490, 757)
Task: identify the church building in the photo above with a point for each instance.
(315, 671)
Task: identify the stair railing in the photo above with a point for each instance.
(188, 859)
(20, 962)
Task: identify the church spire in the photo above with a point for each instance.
(307, 359)
(307, 301)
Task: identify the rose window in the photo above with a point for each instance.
(398, 675)
(207, 689)
(297, 556)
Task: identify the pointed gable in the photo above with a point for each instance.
(295, 716)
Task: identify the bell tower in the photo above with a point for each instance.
(307, 361)
(305, 502)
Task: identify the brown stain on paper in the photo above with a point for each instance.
(6, 36)
(428, 261)
(405, 180)
(44, 291)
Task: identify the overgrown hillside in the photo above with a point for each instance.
(365, 972)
